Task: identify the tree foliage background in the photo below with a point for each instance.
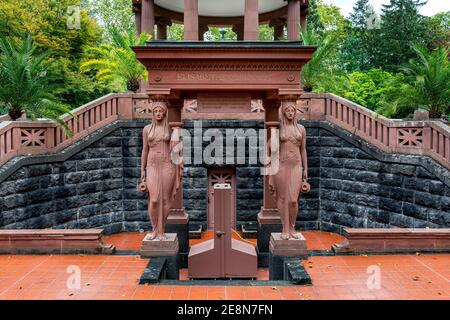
(364, 57)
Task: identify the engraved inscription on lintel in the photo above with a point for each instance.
(218, 77)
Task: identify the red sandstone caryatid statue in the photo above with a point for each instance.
(160, 176)
(291, 178)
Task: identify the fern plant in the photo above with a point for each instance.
(115, 63)
(26, 84)
(318, 73)
(426, 85)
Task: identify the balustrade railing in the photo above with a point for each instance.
(43, 136)
(430, 138)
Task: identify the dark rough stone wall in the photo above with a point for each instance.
(249, 182)
(83, 192)
(134, 202)
(352, 185)
(359, 191)
(309, 208)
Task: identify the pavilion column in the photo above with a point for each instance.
(203, 28)
(148, 17)
(293, 22)
(161, 28)
(303, 22)
(251, 20)
(278, 28)
(191, 20)
(137, 19)
(268, 218)
(239, 30)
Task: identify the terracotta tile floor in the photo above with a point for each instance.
(315, 240)
(116, 277)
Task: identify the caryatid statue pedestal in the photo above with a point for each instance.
(167, 248)
(281, 250)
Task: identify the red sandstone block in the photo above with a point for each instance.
(53, 241)
(394, 240)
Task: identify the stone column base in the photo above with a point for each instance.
(178, 222)
(268, 222)
(280, 250)
(167, 248)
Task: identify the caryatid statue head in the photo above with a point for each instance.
(288, 110)
(159, 118)
(159, 110)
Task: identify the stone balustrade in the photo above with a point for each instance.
(26, 137)
(429, 138)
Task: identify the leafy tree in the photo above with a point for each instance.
(354, 53)
(313, 20)
(368, 88)
(318, 73)
(112, 14)
(438, 30)
(331, 18)
(401, 27)
(115, 63)
(24, 82)
(362, 11)
(266, 33)
(426, 85)
(175, 32)
(47, 22)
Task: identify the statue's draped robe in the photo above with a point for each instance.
(162, 177)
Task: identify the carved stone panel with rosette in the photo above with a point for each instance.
(33, 137)
(142, 108)
(303, 109)
(190, 106)
(410, 137)
(257, 106)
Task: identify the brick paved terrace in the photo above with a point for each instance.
(115, 277)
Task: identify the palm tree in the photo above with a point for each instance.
(115, 63)
(25, 82)
(316, 73)
(427, 84)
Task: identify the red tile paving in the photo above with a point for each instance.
(116, 277)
